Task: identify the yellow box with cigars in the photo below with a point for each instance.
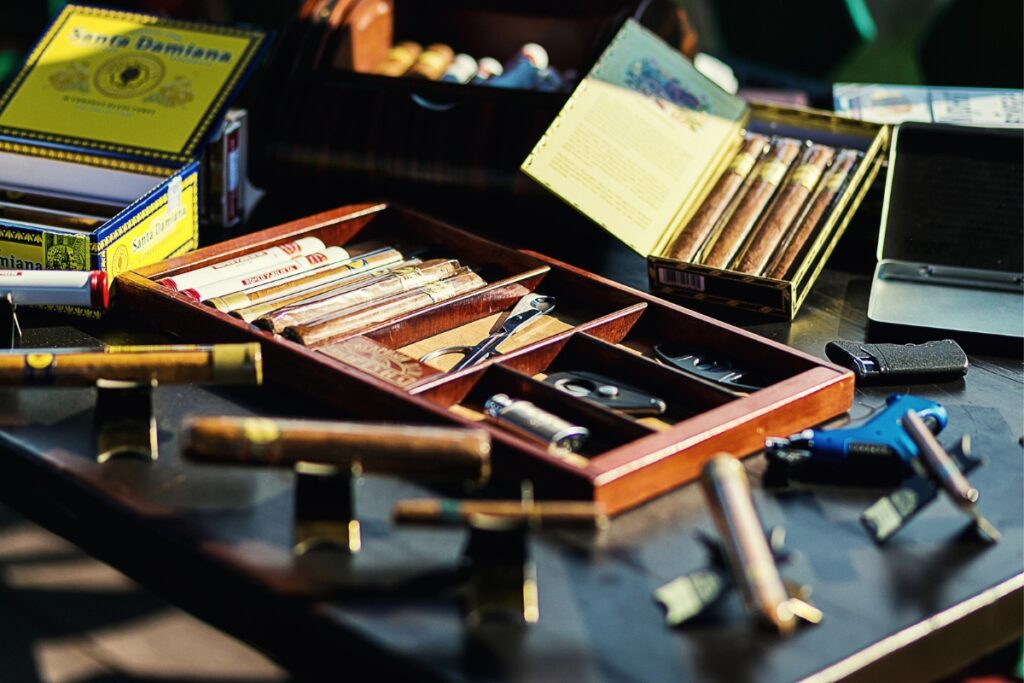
(645, 141)
(99, 132)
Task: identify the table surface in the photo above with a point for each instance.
(216, 540)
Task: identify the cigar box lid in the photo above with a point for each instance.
(638, 141)
(108, 87)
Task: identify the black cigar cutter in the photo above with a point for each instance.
(607, 392)
(933, 361)
(737, 379)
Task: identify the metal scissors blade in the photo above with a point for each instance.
(527, 309)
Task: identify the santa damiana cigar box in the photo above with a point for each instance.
(597, 391)
(732, 204)
(99, 133)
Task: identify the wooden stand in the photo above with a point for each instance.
(325, 510)
(124, 421)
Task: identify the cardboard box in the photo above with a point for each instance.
(105, 120)
(641, 143)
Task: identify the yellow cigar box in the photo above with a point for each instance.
(99, 132)
(642, 142)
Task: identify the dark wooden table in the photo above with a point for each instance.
(216, 540)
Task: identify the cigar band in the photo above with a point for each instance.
(39, 366)
(439, 291)
(448, 511)
(743, 164)
(807, 175)
(835, 181)
(772, 172)
(261, 436)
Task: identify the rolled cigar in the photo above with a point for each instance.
(32, 215)
(329, 330)
(246, 263)
(703, 222)
(789, 201)
(456, 512)
(432, 62)
(56, 287)
(400, 59)
(324, 274)
(400, 279)
(172, 364)
(267, 275)
(753, 566)
(766, 177)
(818, 208)
(343, 284)
(409, 450)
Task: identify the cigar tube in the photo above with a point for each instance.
(399, 280)
(785, 208)
(270, 275)
(408, 450)
(945, 472)
(305, 281)
(344, 283)
(400, 59)
(703, 222)
(56, 287)
(440, 512)
(524, 70)
(173, 364)
(246, 263)
(486, 68)
(753, 565)
(821, 203)
(766, 177)
(329, 330)
(461, 70)
(432, 62)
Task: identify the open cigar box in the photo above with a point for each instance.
(597, 326)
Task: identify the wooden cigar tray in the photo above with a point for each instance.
(597, 326)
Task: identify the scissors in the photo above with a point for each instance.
(527, 309)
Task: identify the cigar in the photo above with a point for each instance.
(56, 287)
(246, 263)
(789, 201)
(764, 179)
(401, 279)
(172, 364)
(400, 59)
(946, 473)
(420, 452)
(54, 218)
(746, 548)
(329, 330)
(432, 62)
(693, 236)
(429, 511)
(821, 204)
(267, 275)
(305, 282)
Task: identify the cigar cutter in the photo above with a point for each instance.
(607, 392)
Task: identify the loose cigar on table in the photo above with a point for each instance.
(821, 203)
(400, 59)
(432, 62)
(267, 275)
(697, 229)
(402, 278)
(329, 330)
(307, 282)
(422, 452)
(765, 179)
(240, 265)
(433, 511)
(173, 364)
(791, 198)
(753, 566)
